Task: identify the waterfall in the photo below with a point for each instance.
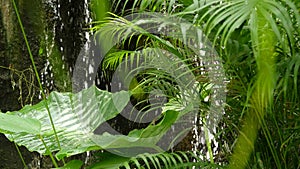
(65, 36)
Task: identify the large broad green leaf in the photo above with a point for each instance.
(75, 117)
(138, 139)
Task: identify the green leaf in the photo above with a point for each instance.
(74, 164)
(16, 124)
(41, 51)
(108, 161)
(143, 138)
(75, 117)
(157, 130)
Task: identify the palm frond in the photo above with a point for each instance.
(172, 160)
(224, 17)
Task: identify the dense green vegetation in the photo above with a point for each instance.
(258, 42)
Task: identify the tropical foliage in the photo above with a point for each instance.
(259, 44)
(258, 41)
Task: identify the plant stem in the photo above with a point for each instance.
(36, 72)
(208, 142)
(21, 156)
(262, 96)
(48, 150)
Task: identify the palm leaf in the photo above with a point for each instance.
(165, 160)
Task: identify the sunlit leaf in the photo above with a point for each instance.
(16, 124)
(75, 117)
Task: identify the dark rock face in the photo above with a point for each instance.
(16, 85)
